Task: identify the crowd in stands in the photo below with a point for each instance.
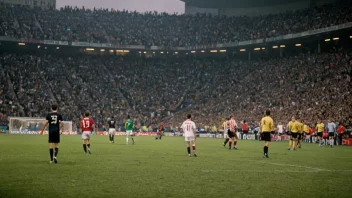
(155, 90)
(310, 87)
(161, 29)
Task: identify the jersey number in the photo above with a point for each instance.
(188, 127)
(53, 119)
(85, 124)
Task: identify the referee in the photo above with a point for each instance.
(266, 126)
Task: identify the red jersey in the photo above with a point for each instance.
(341, 129)
(244, 127)
(311, 131)
(86, 124)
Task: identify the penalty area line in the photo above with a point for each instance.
(299, 166)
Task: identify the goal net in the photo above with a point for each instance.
(27, 125)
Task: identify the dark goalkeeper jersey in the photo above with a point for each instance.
(54, 120)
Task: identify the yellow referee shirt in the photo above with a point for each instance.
(266, 124)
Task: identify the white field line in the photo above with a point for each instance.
(264, 161)
(273, 171)
(298, 166)
(259, 171)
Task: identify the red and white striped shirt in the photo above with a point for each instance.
(233, 125)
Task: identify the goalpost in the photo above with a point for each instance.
(28, 125)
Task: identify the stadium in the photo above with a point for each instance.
(287, 60)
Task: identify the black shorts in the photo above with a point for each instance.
(266, 136)
(331, 134)
(320, 134)
(245, 132)
(294, 135)
(54, 137)
(230, 134)
(300, 136)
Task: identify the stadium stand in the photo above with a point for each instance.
(308, 85)
(149, 29)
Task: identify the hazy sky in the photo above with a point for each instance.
(169, 6)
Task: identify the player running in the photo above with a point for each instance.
(189, 129)
(129, 129)
(55, 128)
(112, 129)
(331, 129)
(266, 127)
(87, 126)
(232, 133)
(225, 125)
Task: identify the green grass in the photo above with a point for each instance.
(162, 169)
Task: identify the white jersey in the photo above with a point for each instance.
(188, 127)
(280, 128)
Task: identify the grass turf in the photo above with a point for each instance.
(154, 168)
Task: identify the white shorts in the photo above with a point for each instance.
(226, 135)
(189, 138)
(86, 135)
(129, 132)
(112, 131)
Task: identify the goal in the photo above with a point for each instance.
(27, 125)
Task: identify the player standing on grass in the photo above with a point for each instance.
(189, 129)
(87, 126)
(129, 129)
(293, 129)
(112, 129)
(266, 127)
(232, 133)
(331, 130)
(226, 131)
(54, 120)
(161, 130)
(306, 132)
(320, 130)
(300, 133)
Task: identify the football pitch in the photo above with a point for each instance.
(154, 168)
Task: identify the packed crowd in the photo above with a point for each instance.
(146, 89)
(161, 29)
(310, 87)
(155, 90)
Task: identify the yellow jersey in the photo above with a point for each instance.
(300, 127)
(320, 127)
(266, 124)
(293, 126)
(306, 128)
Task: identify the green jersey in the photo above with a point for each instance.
(129, 125)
